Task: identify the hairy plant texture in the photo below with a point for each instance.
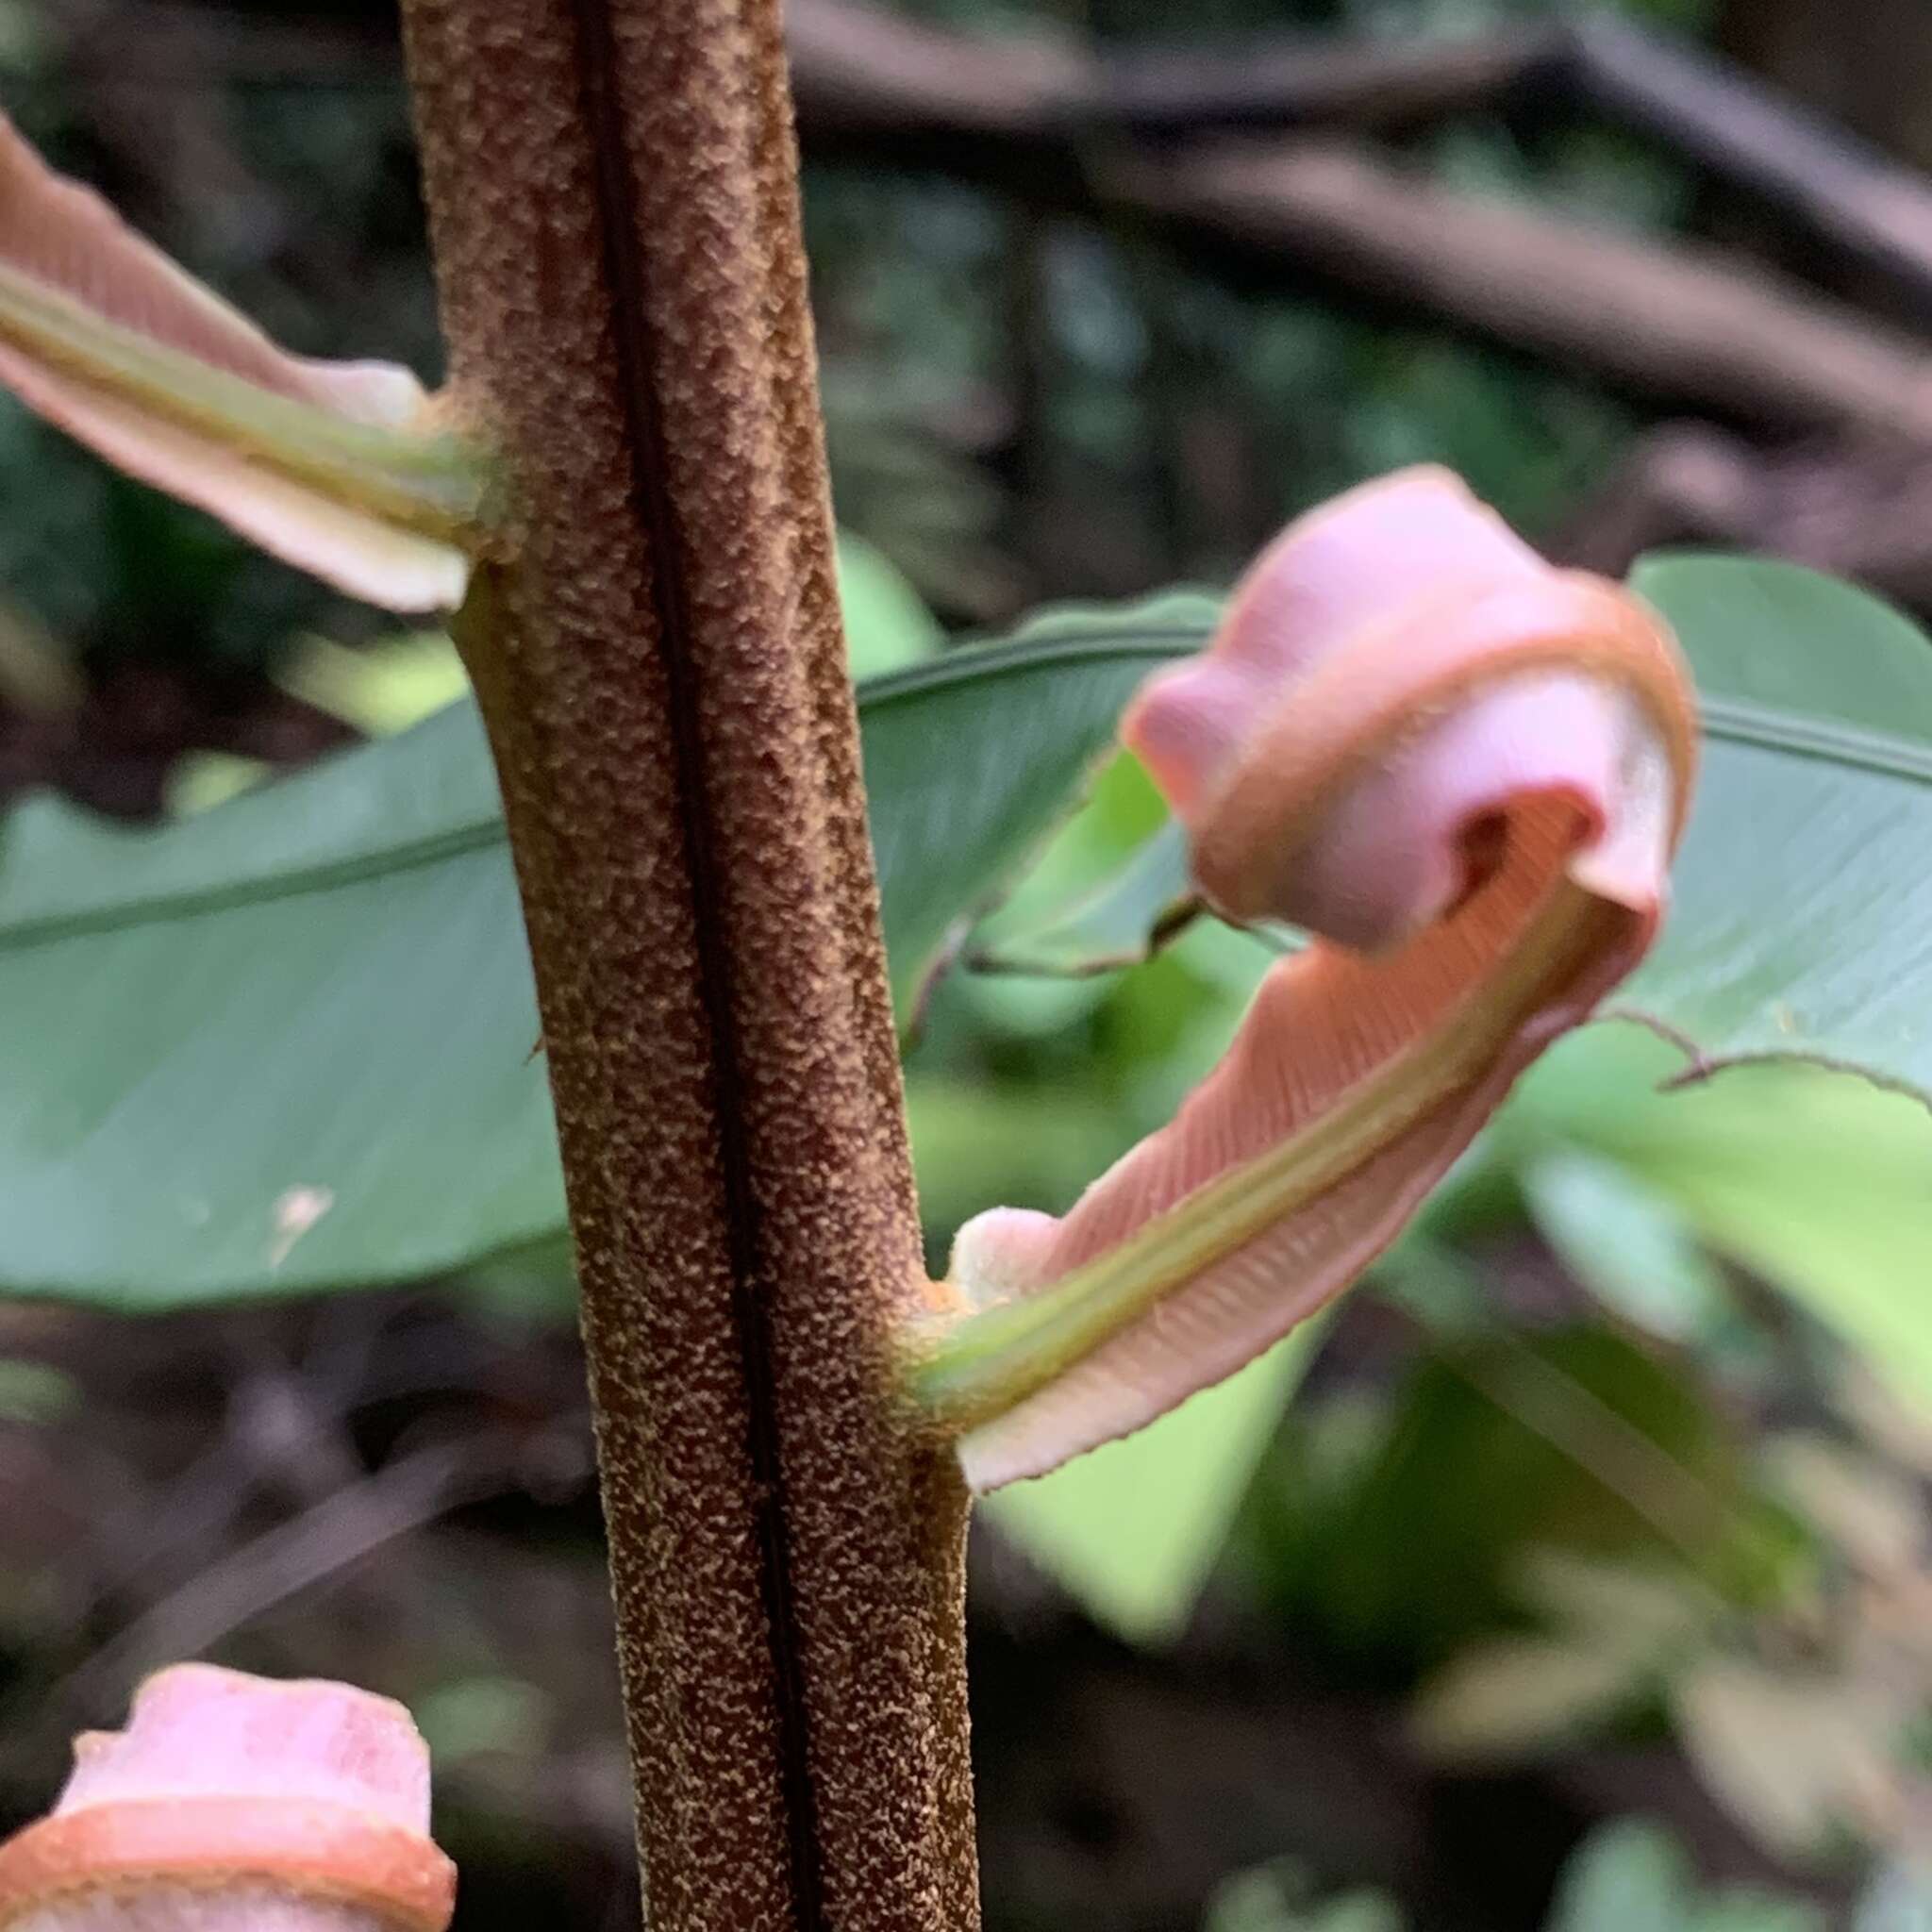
(233, 1804)
(1463, 769)
(613, 208)
(652, 625)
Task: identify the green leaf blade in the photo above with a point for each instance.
(970, 761)
(1803, 907)
(322, 986)
(291, 1043)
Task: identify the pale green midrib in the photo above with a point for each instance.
(984, 663)
(1835, 741)
(431, 482)
(1056, 947)
(477, 832)
(409, 855)
(1728, 719)
(993, 1361)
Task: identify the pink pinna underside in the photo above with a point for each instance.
(1414, 738)
(235, 1804)
(68, 242)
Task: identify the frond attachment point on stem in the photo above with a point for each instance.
(347, 469)
(1465, 772)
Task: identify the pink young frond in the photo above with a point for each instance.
(233, 1804)
(337, 468)
(1465, 773)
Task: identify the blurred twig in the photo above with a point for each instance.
(862, 72)
(1850, 509)
(1717, 116)
(1667, 320)
(323, 1540)
(203, 47)
(865, 73)
(1674, 320)
(1670, 320)
(860, 69)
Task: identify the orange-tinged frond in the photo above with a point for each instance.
(342, 468)
(236, 1803)
(1464, 771)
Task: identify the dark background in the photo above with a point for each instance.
(1103, 293)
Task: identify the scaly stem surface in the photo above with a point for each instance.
(613, 195)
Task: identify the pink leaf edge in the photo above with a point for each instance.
(64, 238)
(1465, 772)
(233, 1802)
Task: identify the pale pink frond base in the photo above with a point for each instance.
(232, 1802)
(63, 239)
(1464, 771)
(362, 555)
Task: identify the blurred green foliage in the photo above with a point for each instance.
(1629, 1874)
(1620, 1445)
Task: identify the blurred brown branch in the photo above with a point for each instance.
(1669, 320)
(1717, 116)
(335, 1533)
(861, 70)
(867, 75)
(1849, 509)
(1052, 121)
(174, 41)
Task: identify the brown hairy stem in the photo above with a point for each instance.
(614, 200)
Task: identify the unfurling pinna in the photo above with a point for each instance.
(1463, 772)
(236, 1803)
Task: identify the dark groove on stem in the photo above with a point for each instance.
(631, 333)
